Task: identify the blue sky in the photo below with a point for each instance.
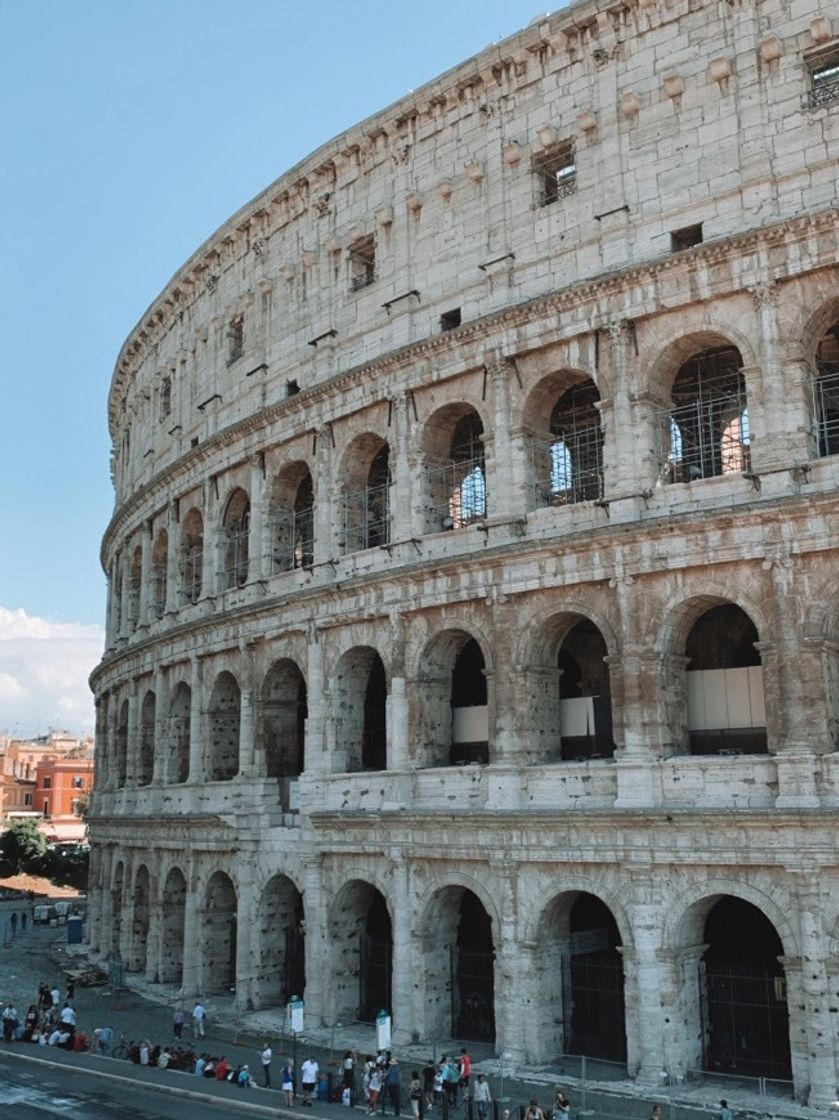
(131, 131)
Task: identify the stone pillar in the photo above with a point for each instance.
(154, 941)
(317, 941)
(104, 904)
(192, 935)
(161, 723)
(324, 548)
(246, 979)
(172, 550)
(644, 994)
(398, 729)
(196, 726)
(109, 770)
(144, 610)
(681, 999)
(502, 497)
(315, 752)
(533, 695)
(626, 463)
(247, 751)
(403, 481)
(650, 426)
(257, 538)
(133, 751)
(209, 569)
(510, 1039)
(814, 900)
(655, 702)
(404, 967)
(94, 907)
(799, 1026)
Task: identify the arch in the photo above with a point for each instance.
(219, 933)
(121, 751)
(361, 931)
(734, 1001)
(284, 711)
(159, 573)
(580, 978)
(453, 700)
(459, 965)
(365, 472)
(826, 390)
(223, 721)
(281, 944)
(667, 628)
(291, 513)
(180, 730)
(453, 447)
(235, 525)
(191, 557)
(135, 583)
(145, 763)
(173, 919)
(566, 444)
(678, 347)
(140, 920)
(359, 705)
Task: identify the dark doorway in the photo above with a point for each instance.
(374, 733)
(375, 960)
(595, 982)
(473, 973)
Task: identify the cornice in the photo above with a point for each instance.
(573, 296)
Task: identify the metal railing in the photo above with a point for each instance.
(458, 493)
(826, 402)
(158, 590)
(823, 91)
(293, 534)
(235, 570)
(190, 573)
(367, 518)
(704, 439)
(569, 468)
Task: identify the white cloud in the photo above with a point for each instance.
(44, 666)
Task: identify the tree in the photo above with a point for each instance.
(22, 847)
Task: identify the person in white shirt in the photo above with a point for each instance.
(199, 1014)
(265, 1057)
(68, 1015)
(308, 1079)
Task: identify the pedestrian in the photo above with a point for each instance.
(199, 1015)
(265, 1057)
(655, 1112)
(373, 1090)
(308, 1080)
(287, 1082)
(222, 1069)
(9, 1021)
(562, 1106)
(200, 1065)
(534, 1112)
(725, 1112)
(348, 1073)
(465, 1070)
(482, 1096)
(438, 1085)
(415, 1093)
(451, 1080)
(104, 1037)
(145, 1050)
(55, 996)
(68, 1016)
(392, 1084)
(243, 1078)
(13, 920)
(178, 1022)
(30, 1023)
(23, 922)
(428, 1083)
(71, 989)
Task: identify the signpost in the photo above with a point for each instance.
(294, 1022)
(383, 1024)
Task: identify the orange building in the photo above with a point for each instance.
(62, 788)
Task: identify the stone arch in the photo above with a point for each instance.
(121, 751)
(179, 734)
(281, 931)
(456, 478)
(140, 906)
(219, 920)
(667, 629)
(565, 440)
(291, 514)
(234, 542)
(365, 475)
(158, 575)
(173, 919)
(580, 976)
(282, 725)
(453, 697)
(145, 762)
(361, 932)
(359, 702)
(191, 557)
(459, 935)
(672, 349)
(732, 954)
(223, 719)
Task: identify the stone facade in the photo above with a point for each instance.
(472, 629)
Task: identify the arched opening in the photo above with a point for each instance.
(454, 444)
(145, 763)
(284, 714)
(159, 560)
(367, 494)
(233, 567)
(725, 706)
(359, 701)
(135, 582)
(569, 463)
(707, 431)
(459, 968)
(585, 703)
(191, 557)
(826, 391)
(744, 1015)
(173, 918)
(117, 902)
(223, 718)
(282, 944)
(362, 938)
(122, 745)
(219, 929)
(470, 718)
(180, 717)
(292, 518)
(140, 924)
(582, 1007)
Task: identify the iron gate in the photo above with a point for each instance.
(374, 976)
(473, 994)
(294, 964)
(745, 1022)
(594, 983)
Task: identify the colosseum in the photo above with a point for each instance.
(473, 612)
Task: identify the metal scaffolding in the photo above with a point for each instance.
(367, 518)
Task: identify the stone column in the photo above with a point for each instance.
(654, 701)
(510, 1038)
(209, 569)
(133, 751)
(172, 550)
(192, 934)
(257, 546)
(503, 500)
(650, 427)
(324, 547)
(144, 611)
(317, 940)
(315, 753)
(104, 904)
(626, 464)
(161, 722)
(680, 995)
(644, 993)
(403, 481)
(246, 980)
(403, 966)
(112, 722)
(94, 908)
(154, 940)
(247, 752)
(814, 900)
(196, 725)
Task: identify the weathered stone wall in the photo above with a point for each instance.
(249, 613)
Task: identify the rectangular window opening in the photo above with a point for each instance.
(686, 238)
(824, 77)
(362, 258)
(236, 339)
(292, 388)
(450, 319)
(556, 173)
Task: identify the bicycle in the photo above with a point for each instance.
(122, 1050)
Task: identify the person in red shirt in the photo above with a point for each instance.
(465, 1070)
(222, 1068)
